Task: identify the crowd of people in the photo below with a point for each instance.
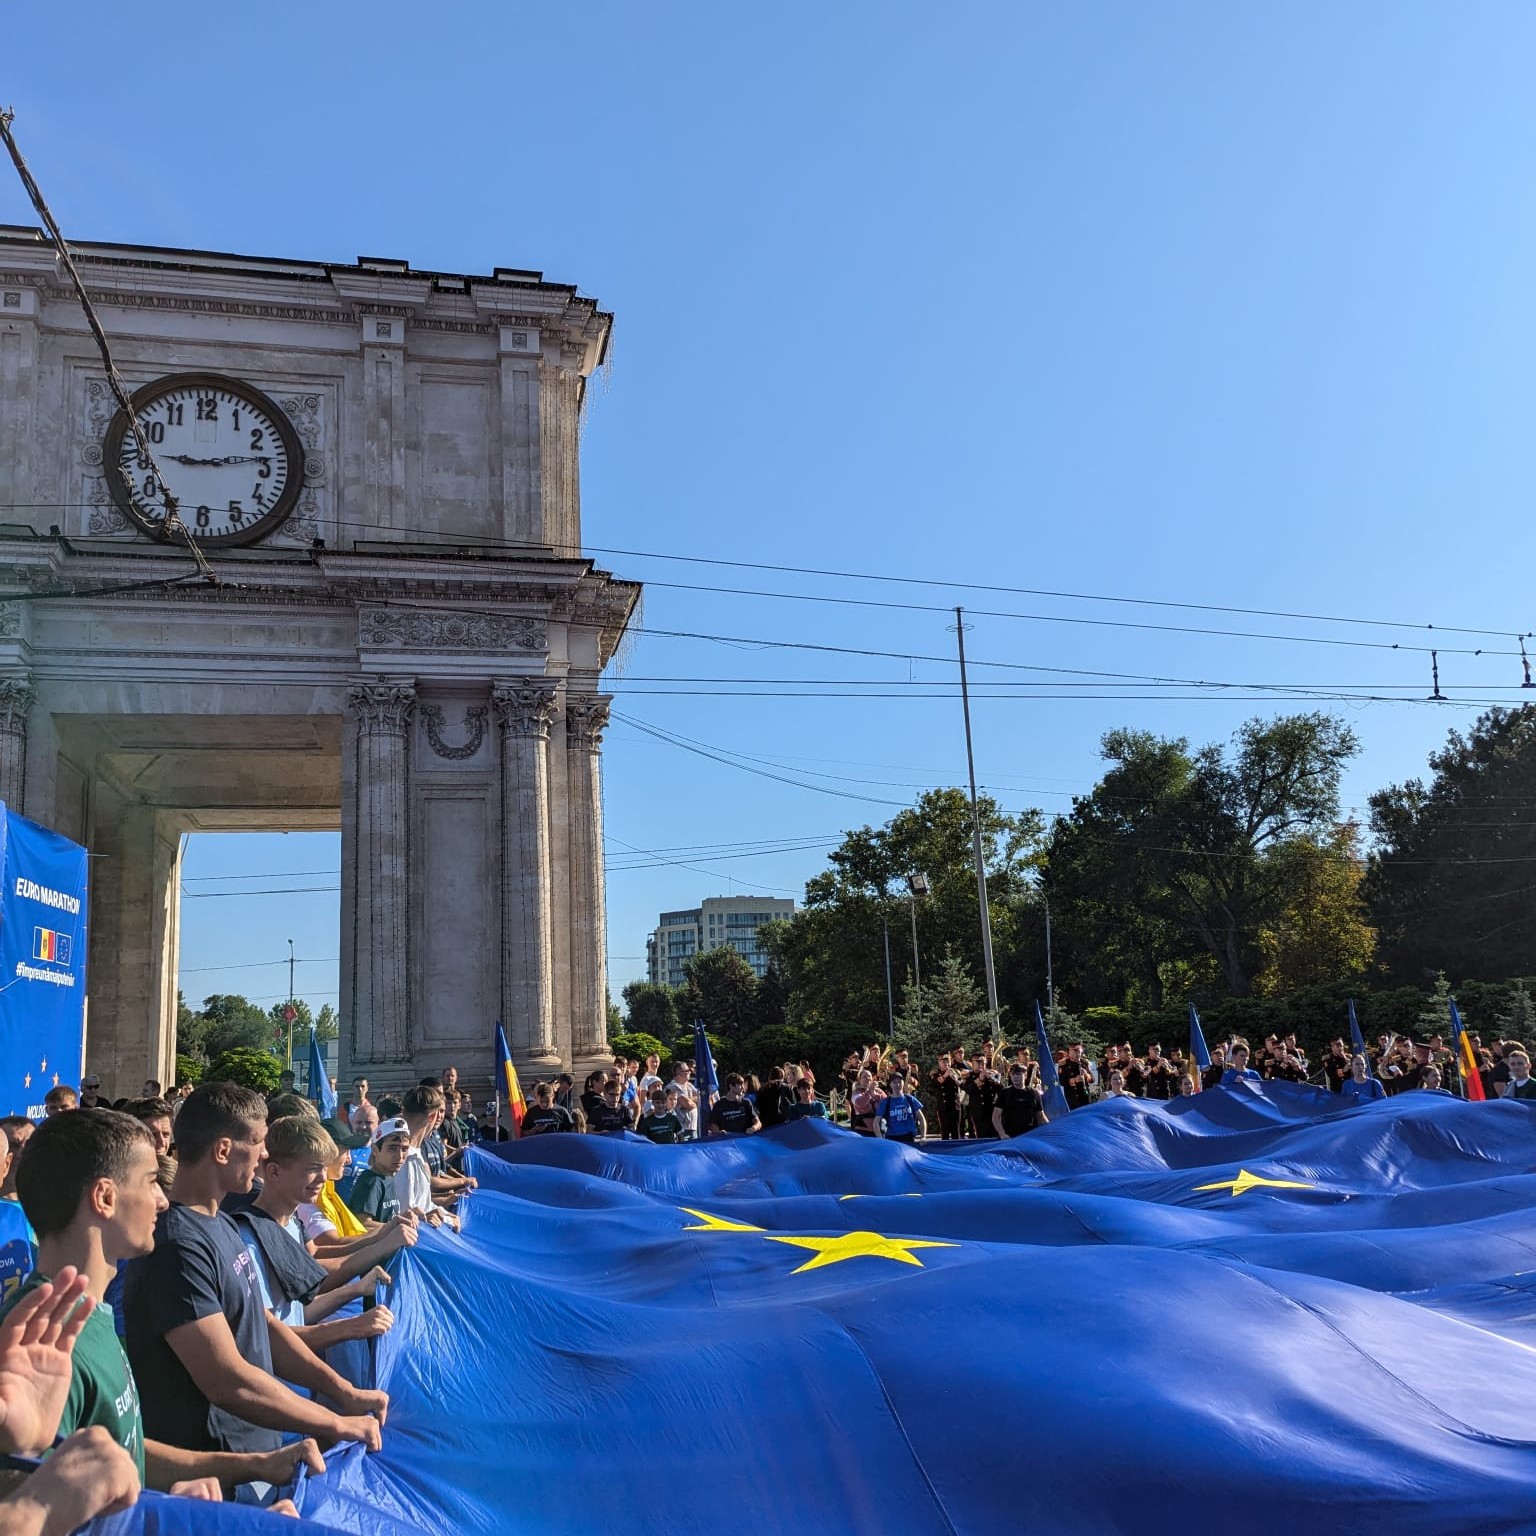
(199, 1281)
(200, 1275)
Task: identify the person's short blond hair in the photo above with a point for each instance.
(1518, 1056)
(297, 1137)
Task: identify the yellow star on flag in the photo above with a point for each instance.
(909, 1194)
(858, 1245)
(1246, 1181)
(716, 1223)
(44, 1066)
(26, 1082)
(55, 1079)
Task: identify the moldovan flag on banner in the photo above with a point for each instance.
(506, 1081)
(1471, 1078)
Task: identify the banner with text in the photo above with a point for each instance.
(43, 879)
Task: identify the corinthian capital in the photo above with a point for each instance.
(382, 707)
(586, 718)
(524, 709)
(16, 700)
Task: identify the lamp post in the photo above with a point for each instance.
(290, 1012)
(1050, 984)
(917, 885)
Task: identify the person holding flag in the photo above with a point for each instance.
(508, 1088)
(320, 1089)
(1466, 1058)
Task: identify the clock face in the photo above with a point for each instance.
(228, 456)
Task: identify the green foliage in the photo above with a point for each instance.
(721, 989)
(1517, 1020)
(719, 1048)
(651, 1009)
(326, 1023)
(636, 1045)
(1181, 855)
(189, 1069)
(1449, 879)
(1434, 1018)
(250, 1068)
(832, 956)
(228, 1022)
(612, 1014)
(948, 1010)
(772, 1047)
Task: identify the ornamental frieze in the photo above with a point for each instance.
(428, 629)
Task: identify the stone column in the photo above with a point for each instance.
(524, 710)
(16, 700)
(586, 718)
(378, 932)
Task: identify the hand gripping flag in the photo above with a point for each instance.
(1357, 1040)
(1199, 1055)
(1471, 1078)
(320, 1089)
(507, 1085)
(1051, 1092)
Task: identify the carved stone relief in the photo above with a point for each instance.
(474, 728)
(419, 629)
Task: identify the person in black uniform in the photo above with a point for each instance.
(946, 1090)
(981, 1088)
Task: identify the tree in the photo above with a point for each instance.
(249, 1068)
(611, 1012)
(230, 1022)
(1321, 934)
(1517, 1021)
(325, 1023)
(1449, 881)
(280, 1031)
(651, 1009)
(946, 1011)
(831, 956)
(721, 989)
(1179, 855)
(635, 1046)
(1434, 1017)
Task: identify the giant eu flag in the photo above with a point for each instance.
(810, 1330)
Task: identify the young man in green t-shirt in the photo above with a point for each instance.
(91, 1191)
(373, 1199)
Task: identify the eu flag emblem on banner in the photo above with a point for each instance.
(50, 944)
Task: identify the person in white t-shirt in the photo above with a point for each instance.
(687, 1098)
(413, 1183)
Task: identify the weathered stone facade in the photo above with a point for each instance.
(414, 656)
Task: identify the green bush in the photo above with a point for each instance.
(636, 1045)
(189, 1069)
(251, 1069)
(772, 1047)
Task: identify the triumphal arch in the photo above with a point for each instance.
(403, 639)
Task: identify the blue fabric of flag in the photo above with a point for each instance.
(1052, 1095)
(1357, 1040)
(325, 1096)
(1252, 1310)
(705, 1079)
(1199, 1054)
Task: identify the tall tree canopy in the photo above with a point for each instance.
(1450, 880)
(832, 956)
(1180, 856)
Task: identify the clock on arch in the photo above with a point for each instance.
(229, 456)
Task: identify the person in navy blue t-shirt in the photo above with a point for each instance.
(899, 1116)
(1360, 1087)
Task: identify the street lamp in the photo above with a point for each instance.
(917, 885)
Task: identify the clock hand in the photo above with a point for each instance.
(233, 458)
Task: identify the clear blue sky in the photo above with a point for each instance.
(1188, 302)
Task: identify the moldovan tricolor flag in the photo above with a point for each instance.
(1471, 1078)
(507, 1084)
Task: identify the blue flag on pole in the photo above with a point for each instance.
(1357, 1040)
(1199, 1055)
(704, 1079)
(1051, 1093)
(320, 1089)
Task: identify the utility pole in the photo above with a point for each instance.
(890, 1006)
(1050, 985)
(981, 868)
(291, 1011)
